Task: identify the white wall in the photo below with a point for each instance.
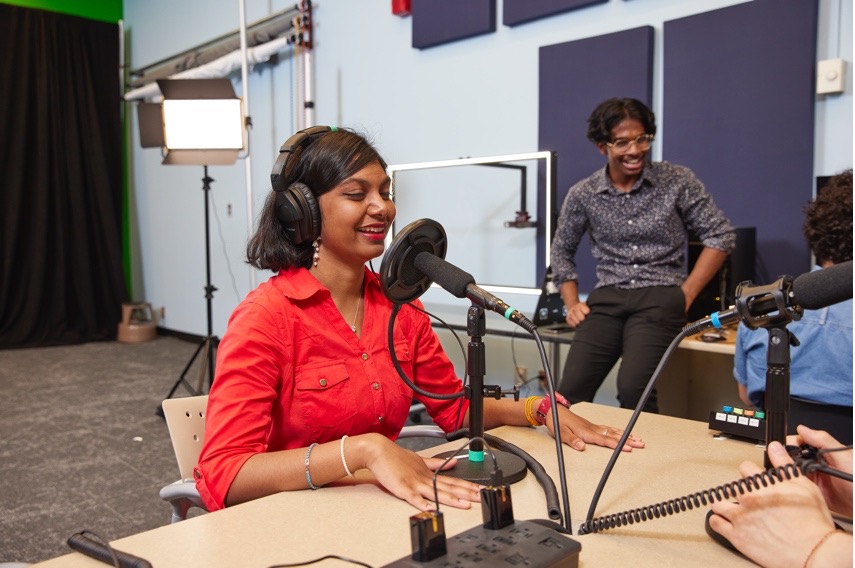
(476, 97)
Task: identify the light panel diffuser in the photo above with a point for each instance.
(202, 124)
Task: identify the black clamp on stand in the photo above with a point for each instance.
(474, 467)
(777, 314)
(210, 341)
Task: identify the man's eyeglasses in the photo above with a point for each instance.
(642, 143)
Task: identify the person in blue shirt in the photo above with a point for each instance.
(821, 365)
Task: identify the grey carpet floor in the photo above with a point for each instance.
(81, 444)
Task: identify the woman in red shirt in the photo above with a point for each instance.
(305, 391)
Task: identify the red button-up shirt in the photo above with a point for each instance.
(290, 372)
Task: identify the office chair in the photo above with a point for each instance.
(185, 418)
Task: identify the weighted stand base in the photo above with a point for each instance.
(513, 467)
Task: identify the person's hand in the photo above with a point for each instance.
(837, 492)
(577, 431)
(689, 295)
(577, 313)
(778, 525)
(409, 476)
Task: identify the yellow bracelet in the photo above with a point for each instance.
(529, 407)
(817, 545)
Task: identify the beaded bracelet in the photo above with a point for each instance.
(529, 406)
(312, 486)
(344, 461)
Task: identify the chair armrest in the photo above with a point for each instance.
(182, 495)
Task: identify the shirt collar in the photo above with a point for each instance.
(298, 283)
(648, 178)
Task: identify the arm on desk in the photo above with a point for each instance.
(576, 431)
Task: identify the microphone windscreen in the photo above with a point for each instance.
(453, 279)
(822, 288)
(401, 281)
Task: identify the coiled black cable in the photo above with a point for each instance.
(695, 500)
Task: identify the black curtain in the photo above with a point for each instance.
(61, 279)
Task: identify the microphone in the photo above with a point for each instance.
(416, 258)
(788, 297)
(462, 284)
(822, 288)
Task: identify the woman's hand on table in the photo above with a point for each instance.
(409, 476)
(576, 432)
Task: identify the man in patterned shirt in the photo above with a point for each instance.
(637, 214)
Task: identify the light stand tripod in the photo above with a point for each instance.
(210, 341)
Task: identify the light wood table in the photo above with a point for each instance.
(362, 522)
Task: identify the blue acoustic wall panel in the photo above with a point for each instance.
(739, 111)
(574, 78)
(515, 12)
(442, 21)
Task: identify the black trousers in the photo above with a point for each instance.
(637, 325)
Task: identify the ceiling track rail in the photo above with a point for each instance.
(257, 33)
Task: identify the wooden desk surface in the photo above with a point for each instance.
(360, 521)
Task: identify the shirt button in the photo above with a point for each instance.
(322, 382)
(375, 386)
(632, 281)
(365, 356)
(629, 222)
(635, 266)
(379, 419)
(634, 247)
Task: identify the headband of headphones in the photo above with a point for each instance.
(299, 140)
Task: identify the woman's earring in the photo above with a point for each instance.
(317, 246)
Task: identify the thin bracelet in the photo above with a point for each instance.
(312, 486)
(529, 405)
(344, 461)
(817, 545)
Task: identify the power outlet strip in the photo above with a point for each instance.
(523, 543)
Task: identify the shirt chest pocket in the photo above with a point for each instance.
(326, 397)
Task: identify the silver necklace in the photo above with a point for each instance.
(356, 316)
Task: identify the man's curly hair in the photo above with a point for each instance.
(828, 222)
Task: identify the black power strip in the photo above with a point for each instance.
(521, 544)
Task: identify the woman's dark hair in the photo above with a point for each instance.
(828, 220)
(324, 163)
(612, 112)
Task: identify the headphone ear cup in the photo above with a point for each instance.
(297, 210)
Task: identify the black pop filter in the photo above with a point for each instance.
(402, 282)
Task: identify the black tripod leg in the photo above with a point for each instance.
(182, 379)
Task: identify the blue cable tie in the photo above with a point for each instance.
(715, 320)
(476, 456)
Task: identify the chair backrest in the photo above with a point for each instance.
(185, 418)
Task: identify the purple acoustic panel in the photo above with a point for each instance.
(515, 12)
(442, 21)
(739, 110)
(574, 78)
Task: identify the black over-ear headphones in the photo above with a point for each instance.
(296, 207)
